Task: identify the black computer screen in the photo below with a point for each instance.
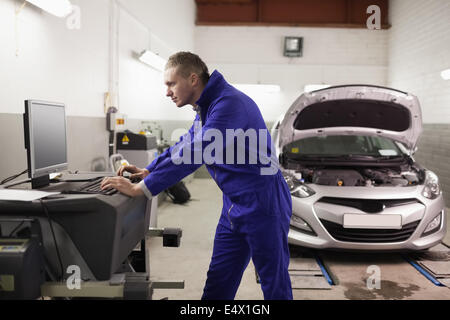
(47, 135)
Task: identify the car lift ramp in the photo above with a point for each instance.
(434, 264)
(308, 271)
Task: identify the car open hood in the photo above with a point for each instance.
(353, 110)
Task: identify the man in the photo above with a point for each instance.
(256, 200)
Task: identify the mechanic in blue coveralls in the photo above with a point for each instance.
(257, 203)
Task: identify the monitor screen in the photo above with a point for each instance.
(45, 135)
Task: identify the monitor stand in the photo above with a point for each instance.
(40, 182)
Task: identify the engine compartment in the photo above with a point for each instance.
(404, 175)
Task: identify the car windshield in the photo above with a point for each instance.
(344, 146)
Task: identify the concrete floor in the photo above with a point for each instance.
(198, 219)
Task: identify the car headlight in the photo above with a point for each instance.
(433, 225)
(432, 189)
(298, 188)
(302, 191)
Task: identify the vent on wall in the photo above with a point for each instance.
(293, 47)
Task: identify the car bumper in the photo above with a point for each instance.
(319, 215)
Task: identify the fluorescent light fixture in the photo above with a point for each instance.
(445, 74)
(59, 8)
(313, 87)
(260, 88)
(153, 60)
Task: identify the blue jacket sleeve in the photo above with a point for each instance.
(165, 172)
(166, 154)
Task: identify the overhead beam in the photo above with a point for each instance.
(311, 13)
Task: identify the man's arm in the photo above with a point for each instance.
(164, 172)
(167, 153)
(228, 113)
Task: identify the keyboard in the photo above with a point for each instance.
(95, 188)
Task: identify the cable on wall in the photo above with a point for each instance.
(16, 28)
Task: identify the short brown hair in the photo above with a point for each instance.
(187, 63)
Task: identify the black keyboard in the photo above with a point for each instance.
(94, 187)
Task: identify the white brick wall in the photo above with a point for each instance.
(419, 49)
(71, 66)
(331, 56)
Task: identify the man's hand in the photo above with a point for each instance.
(135, 171)
(123, 185)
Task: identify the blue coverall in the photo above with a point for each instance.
(256, 208)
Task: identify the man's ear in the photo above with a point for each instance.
(194, 79)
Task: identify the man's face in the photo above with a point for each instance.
(179, 89)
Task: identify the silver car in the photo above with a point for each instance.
(347, 155)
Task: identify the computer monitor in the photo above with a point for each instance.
(45, 140)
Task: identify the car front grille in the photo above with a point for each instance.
(340, 233)
(368, 205)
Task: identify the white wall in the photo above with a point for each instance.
(72, 66)
(165, 27)
(171, 22)
(54, 63)
(330, 56)
(419, 49)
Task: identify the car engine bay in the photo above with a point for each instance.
(403, 175)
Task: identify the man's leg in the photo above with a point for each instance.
(270, 254)
(231, 255)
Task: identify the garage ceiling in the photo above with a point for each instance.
(305, 13)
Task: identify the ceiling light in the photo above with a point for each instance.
(314, 87)
(153, 60)
(260, 88)
(445, 74)
(59, 8)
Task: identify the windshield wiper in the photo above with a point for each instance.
(368, 157)
(347, 157)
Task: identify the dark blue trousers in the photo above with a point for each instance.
(264, 240)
